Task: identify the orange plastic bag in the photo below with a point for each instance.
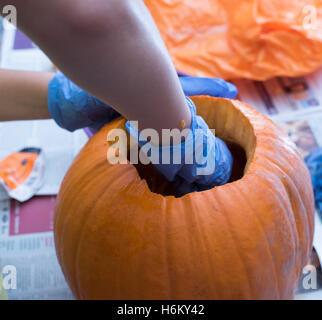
(256, 39)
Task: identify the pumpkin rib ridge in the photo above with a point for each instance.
(88, 216)
(309, 225)
(201, 236)
(158, 210)
(285, 174)
(67, 219)
(165, 258)
(169, 204)
(210, 198)
(291, 148)
(307, 222)
(295, 212)
(136, 213)
(224, 213)
(273, 161)
(270, 251)
(80, 183)
(240, 191)
(290, 211)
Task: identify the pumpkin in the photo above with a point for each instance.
(119, 235)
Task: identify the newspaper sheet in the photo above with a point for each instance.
(26, 237)
(27, 245)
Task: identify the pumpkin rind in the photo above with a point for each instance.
(249, 239)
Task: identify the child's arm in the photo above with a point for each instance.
(23, 95)
(113, 50)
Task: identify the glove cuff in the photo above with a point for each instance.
(168, 160)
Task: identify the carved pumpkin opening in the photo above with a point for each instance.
(158, 184)
(216, 116)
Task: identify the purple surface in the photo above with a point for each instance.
(90, 132)
(182, 74)
(22, 41)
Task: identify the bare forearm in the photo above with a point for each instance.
(112, 49)
(23, 95)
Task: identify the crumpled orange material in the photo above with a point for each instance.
(255, 39)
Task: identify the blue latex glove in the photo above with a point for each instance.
(314, 163)
(72, 108)
(214, 87)
(210, 160)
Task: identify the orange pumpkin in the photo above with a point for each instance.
(118, 236)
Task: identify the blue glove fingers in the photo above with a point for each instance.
(219, 160)
(215, 87)
(72, 108)
(200, 145)
(224, 163)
